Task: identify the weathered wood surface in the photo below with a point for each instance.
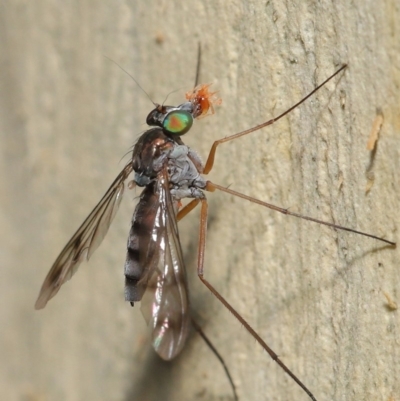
(67, 116)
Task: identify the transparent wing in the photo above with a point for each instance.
(85, 241)
(165, 303)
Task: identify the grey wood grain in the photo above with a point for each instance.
(67, 116)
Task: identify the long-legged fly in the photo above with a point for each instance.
(155, 274)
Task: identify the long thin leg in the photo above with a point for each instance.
(187, 209)
(200, 273)
(211, 157)
(181, 214)
(218, 355)
(212, 187)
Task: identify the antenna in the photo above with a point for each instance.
(134, 80)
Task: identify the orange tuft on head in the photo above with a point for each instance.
(203, 99)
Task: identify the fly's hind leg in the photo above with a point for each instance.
(253, 333)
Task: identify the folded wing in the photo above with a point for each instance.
(85, 241)
(165, 303)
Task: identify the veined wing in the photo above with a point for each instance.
(85, 241)
(165, 303)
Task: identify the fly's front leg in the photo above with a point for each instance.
(196, 160)
(211, 157)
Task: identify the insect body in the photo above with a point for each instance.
(154, 266)
(154, 269)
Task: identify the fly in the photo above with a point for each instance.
(155, 274)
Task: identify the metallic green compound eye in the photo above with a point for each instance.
(178, 122)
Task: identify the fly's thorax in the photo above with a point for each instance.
(150, 154)
(184, 174)
(159, 144)
(179, 193)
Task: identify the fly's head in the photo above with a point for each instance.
(153, 147)
(177, 121)
(174, 121)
